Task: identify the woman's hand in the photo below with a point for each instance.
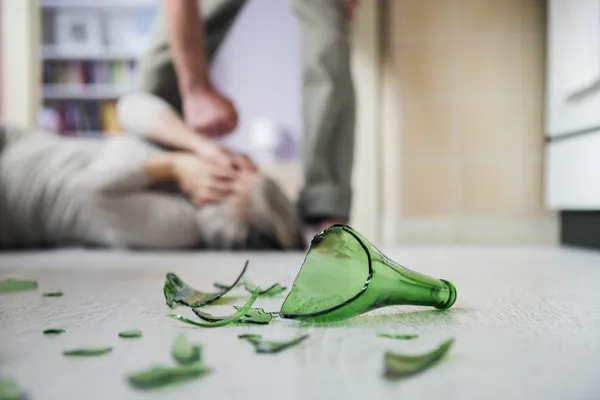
(202, 180)
(225, 158)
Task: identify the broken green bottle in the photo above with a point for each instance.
(344, 275)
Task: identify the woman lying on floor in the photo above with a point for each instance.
(123, 191)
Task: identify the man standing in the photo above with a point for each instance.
(176, 68)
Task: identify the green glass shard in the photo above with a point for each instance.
(221, 322)
(9, 390)
(89, 352)
(131, 334)
(400, 366)
(253, 316)
(344, 275)
(272, 290)
(222, 286)
(160, 376)
(267, 346)
(256, 316)
(54, 332)
(177, 291)
(185, 352)
(397, 336)
(53, 294)
(16, 285)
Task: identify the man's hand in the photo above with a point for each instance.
(203, 181)
(349, 7)
(209, 112)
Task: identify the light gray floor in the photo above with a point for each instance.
(526, 324)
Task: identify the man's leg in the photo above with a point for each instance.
(157, 72)
(328, 109)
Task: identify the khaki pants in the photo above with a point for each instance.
(328, 95)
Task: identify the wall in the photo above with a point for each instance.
(258, 66)
(462, 115)
(1, 62)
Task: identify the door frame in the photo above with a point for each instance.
(21, 81)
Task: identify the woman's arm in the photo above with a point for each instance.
(161, 168)
(151, 117)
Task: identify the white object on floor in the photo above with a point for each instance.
(525, 323)
(265, 141)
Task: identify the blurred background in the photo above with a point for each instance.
(477, 119)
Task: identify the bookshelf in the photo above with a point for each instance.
(89, 57)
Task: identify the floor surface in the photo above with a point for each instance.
(526, 326)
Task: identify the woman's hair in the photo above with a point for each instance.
(263, 220)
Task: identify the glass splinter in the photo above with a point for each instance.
(177, 291)
(400, 366)
(53, 332)
(267, 346)
(9, 390)
(272, 290)
(253, 316)
(53, 294)
(131, 334)
(221, 286)
(256, 316)
(160, 376)
(221, 322)
(397, 336)
(185, 352)
(344, 275)
(17, 285)
(90, 352)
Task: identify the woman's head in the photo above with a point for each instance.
(257, 216)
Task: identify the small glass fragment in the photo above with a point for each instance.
(400, 366)
(397, 336)
(222, 286)
(253, 316)
(9, 390)
(221, 322)
(53, 294)
(89, 352)
(131, 334)
(16, 285)
(344, 275)
(54, 332)
(256, 316)
(160, 376)
(177, 291)
(271, 291)
(185, 352)
(267, 346)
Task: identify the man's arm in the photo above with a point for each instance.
(205, 109)
(185, 30)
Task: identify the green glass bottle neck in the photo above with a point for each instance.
(399, 285)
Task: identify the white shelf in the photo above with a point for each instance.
(84, 92)
(50, 52)
(87, 134)
(99, 3)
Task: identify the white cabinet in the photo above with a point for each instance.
(573, 105)
(573, 93)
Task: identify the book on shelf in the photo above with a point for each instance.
(80, 73)
(73, 118)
